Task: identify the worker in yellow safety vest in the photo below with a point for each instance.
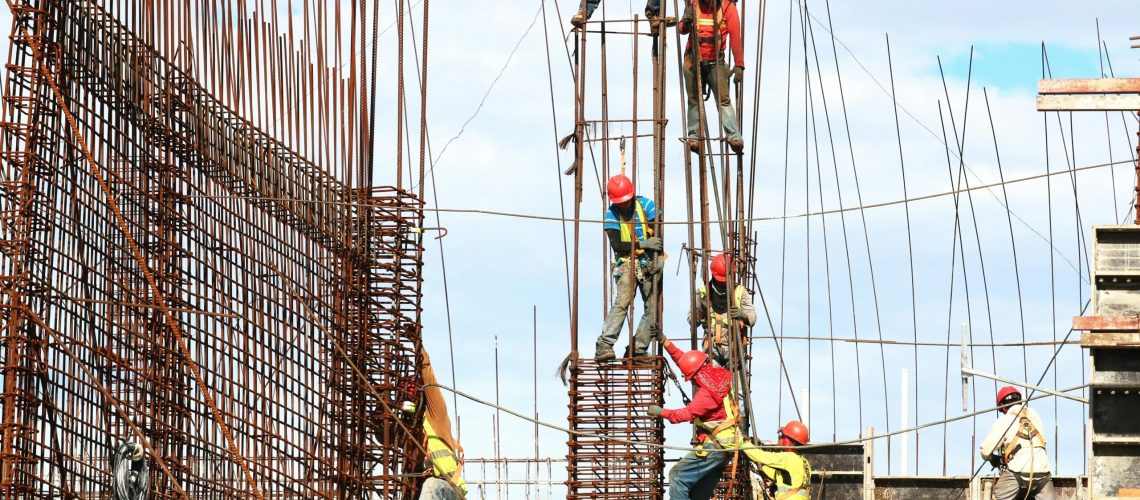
(718, 324)
(444, 453)
(638, 260)
(1016, 446)
(786, 474)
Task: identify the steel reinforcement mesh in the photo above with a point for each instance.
(173, 276)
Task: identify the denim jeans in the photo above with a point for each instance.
(438, 489)
(623, 299)
(694, 477)
(591, 5)
(716, 75)
(1014, 486)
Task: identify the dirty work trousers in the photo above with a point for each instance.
(695, 477)
(438, 489)
(591, 5)
(1014, 486)
(715, 74)
(623, 299)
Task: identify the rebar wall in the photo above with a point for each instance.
(185, 266)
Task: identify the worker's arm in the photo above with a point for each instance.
(732, 18)
(686, 24)
(674, 351)
(620, 247)
(703, 404)
(747, 308)
(697, 315)
(993, 440)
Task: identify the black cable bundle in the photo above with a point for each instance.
(130, 474)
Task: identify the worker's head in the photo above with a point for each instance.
(620, 190)
(691, 362)
(794, 433)
(1007, 396)
(719, 267)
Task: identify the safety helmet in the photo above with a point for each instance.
(719, 267)
(619, 188)
(795, 432)
(691, 362)
(1007, 395)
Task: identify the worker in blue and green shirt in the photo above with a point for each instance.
(637, 264)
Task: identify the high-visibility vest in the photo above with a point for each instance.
(628, 231)
(443, 460)
(719, 322)
(803, 490)
(711, 25)
(724, 431)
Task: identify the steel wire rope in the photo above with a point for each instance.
(843, 220)
(909, 246)
(784, 205)
(1100, 52)
(1127, 136)
(191, 365)
(802, 10)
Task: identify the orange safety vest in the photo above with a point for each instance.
(708, 22)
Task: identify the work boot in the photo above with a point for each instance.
(694, 145)
(668, 22)
(604, 354)
(579, 19)
(736, 143)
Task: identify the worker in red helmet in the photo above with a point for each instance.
(714, 413)
(718, 324)
(637, 266)
(712, 25)
(786, 473)
(1016, 447)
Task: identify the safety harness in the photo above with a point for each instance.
(628, 227)
(718, 323)
(1026, 431)
(443, 460)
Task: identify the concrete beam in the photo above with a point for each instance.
(1107, 102)
(1089, 86)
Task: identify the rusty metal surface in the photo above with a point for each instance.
(1089, 86)
(174, 271)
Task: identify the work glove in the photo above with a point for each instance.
(737, 313)
(651, 243)
(661, 337)
(738, 74)
(687, 19)
(995, 459)
(654, 411)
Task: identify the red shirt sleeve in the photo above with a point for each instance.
(732, 18)
(703, 404)
(674, 352)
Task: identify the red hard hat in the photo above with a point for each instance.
(719, 267)
(1006, 391)
(796, 432)
(690, 362)
(619, 188)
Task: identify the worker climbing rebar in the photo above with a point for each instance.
(712, 26)
(445, 454)
(637, 264)
(718, 324)
(786, 474)
(1016, 447)
(652, 12)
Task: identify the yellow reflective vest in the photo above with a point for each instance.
(444, 462)
(719, 323)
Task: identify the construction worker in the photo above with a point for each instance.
(652, 11)
(444, 451)
(1016, 446)
(716, 22)
(786, 474)
(627, 225)
(718, 324)
(713, 411)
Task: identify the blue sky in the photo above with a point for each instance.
(500, 269)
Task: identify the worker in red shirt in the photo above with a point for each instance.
(716, 22)
(713, 411)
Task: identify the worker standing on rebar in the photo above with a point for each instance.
(445, 454)
(1016, 446)
(637, 265)
(652, 11)
(715, 21)
(714, 414)
(786, 474)
(718, 324)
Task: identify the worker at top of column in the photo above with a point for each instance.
(786, 474)
(713, 412)
(712, 22)
(717, 325)
(627, 226)
(1016, 446)
(652, 12)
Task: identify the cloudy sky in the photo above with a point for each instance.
(1009, 264)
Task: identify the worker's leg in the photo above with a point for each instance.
(686, 475)
(718, 80)
(1007, 487)
(1042, 488)
(647, 327)
(693, 93)
(438, 489)
(720, 355)
(653, 8)
(623, 295)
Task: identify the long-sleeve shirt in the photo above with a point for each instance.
(788, 469)
(706, 405)
(729, 30)
(1029, 458)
